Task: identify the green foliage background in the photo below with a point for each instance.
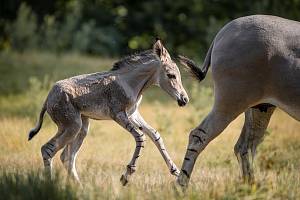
(114, 27)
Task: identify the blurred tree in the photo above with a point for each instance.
(115, 27)
(22, 32)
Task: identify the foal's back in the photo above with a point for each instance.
(91, 94)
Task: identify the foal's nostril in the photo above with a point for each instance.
(185, 100)
(182, 101)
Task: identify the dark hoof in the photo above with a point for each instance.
(175, 172)
(123, 180)
(180, 191)
(183, 181)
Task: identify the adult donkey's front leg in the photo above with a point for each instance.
(138, 120)
(199, 138)
(122, 119)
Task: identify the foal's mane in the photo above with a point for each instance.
(134, 59)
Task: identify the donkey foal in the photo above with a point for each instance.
(115, 95)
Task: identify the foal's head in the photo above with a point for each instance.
(168, 77)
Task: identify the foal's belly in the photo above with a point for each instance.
(103, 112)
(98, 113)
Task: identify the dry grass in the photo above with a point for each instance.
(108, 148)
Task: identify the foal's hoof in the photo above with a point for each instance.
(174, 171)
(123, 180)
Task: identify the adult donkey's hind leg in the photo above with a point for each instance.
(256, 121)
(69, 154)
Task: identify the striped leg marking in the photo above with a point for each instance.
(48, 151)
(157, 140)
(197, 141)
(123, 120)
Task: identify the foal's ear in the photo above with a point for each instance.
(158, 47)
(161, 51)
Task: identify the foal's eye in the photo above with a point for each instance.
(171, 76)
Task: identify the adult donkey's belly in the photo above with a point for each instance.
(285, 90)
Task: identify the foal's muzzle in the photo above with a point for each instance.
(182, 101)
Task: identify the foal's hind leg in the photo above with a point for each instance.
(69, 154)
(256, 122)
(69, 123)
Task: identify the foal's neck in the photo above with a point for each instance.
(140, 78)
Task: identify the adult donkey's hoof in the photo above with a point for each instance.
(123, 180)
(183, 181)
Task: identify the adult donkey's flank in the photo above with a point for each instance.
(115, 95)
(255, 64)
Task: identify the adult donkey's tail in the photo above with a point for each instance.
(197, 72)
(38, 126)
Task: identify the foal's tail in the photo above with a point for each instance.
(191, 66)
(38, 126)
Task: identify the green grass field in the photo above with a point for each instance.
(24, 82)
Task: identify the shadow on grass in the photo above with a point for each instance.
(32, 185)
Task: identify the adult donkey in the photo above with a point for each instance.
(255, 62)
(115, 95)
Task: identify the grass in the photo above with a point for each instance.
(108, 148)
(31, 185)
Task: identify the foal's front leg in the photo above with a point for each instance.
(122, 119)
(138, 120)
